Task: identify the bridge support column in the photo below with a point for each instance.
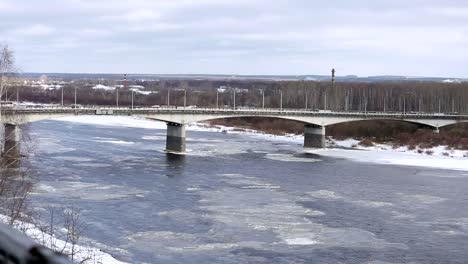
(11, 148)
(314, 136)
(436, 130)
(175, 141)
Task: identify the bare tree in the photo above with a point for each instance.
(7, 66)
(74, 227)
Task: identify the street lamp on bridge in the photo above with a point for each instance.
(404, 101)
(281, 100)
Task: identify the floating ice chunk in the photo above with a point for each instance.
(300, 241)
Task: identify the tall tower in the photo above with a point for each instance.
(125, 81)
(333, 78)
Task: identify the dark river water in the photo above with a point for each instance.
(242, 199)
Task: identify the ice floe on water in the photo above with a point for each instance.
(447, 226)
(324, 194)
(87, 191)
(154, 137)
(52, 146)
(290, 158)
(300, 241)
(75, 159)
(119, 142)
(372, 204)
(330, 195)
(94, 165)
(122, 121)
(421, 199)
(158, 241)
(278, 212)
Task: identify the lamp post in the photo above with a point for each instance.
(346, 101)
(404, 101)
(404, 104)
(365, 105)
(263, 99)
(234, 95)
(75, 98)
(306, 99)
(168, 97)
(325, 102)
(117, 96)
(217, 99)
(62, 96)
(133, 91)
(281, 100)
(185, 98)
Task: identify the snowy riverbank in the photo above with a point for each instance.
(82, 254)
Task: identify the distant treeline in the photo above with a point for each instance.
(383, 96)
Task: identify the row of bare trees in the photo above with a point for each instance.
(384, 96)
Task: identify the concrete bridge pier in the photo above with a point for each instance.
(175, 141)
(314, 136)
(436, 130)
(11, 149)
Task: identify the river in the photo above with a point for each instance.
(240, 199)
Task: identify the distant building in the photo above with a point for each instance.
(43, 79)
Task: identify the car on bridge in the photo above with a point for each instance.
(76, 106)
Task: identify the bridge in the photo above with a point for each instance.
(315, 121)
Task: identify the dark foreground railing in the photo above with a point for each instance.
(16, 248)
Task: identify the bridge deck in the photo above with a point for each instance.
(225, 111)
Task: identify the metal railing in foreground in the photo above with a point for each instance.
(16, 248)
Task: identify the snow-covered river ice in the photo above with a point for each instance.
(243, 199)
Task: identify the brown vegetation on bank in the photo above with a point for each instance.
(369, 132)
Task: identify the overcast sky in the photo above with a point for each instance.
(362, 37)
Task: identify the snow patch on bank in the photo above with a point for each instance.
(82, 254)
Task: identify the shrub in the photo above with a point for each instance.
(366, 143)
(420, 151)
(445, 154)
(429, 152)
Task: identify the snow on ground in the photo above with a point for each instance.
(103, 87)
(138, 91)
(134, 88)
(48, 86)
(398, 157)
(82, 254)
(441, 157)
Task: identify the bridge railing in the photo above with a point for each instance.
(239, 110)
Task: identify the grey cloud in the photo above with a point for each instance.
(239, 36)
